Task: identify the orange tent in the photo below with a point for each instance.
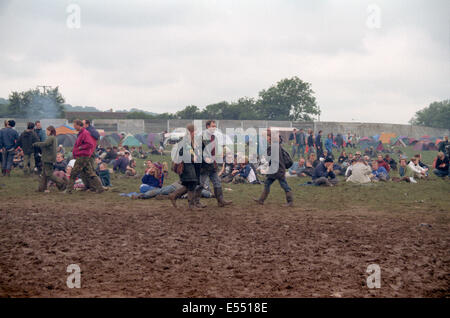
(385, 138)
(63, 130)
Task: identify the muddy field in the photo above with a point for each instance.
(146, 249)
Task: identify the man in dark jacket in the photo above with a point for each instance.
(209, 167)
(324, 174)
(42, 137)
(319, 145)
(94, 133)
(279, 175)
(311, 142)
(300, 142)
(26, 141)
(9, 144)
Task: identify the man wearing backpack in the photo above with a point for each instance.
(285, 162)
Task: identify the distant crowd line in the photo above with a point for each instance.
(89, 166)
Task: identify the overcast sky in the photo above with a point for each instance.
(163, 55)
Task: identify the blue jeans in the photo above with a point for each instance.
(283, 183)
(440, 173)
(213, 176)
(8, 158)
(155, 191)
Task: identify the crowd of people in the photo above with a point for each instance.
(89, 167)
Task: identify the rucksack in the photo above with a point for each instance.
(286, 158)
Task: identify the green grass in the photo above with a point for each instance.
(427, 195)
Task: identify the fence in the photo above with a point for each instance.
(136, 126)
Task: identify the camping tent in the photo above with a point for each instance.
(115, 136)
(385, 138)
(131, 141)
(412, 141)
(153, 139)
(398, 141)
(366, 142)
(64, 129)
(425, 145)
(105, 142)
(380, 147)
(67, 140)
(142, 138)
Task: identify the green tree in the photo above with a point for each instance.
(189, 112)
(36, 104)
(436, 115)
(289, 99)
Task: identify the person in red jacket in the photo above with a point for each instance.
(82, 151)
(382, 163)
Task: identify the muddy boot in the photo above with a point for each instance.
(96, 184)
(198, 195)
(289, 199)
(218, 193)
(177, 194)
(263, 197)
(42, 184)
(191, 200)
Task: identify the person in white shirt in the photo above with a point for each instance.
(419, 172)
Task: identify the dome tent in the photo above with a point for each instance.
(67, 140)
(64, 130)
(131, 141)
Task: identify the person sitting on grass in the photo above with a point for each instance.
(297, 168)
(60, 150)
(60, 164)
(390, 161)
(153, 177)
(313, 160)
(419, 172)
(441, 165)
(142, 153)
(227, 169)
(324, 174)
(358, 172)
(405, 171)
(111, 154)
(104, 175)
(342, 157)
(420, 163)
(246, 174)
(121, 163)
(379, 173)
(131, 169)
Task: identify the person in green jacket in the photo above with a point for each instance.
(48, 148)
(190, 177)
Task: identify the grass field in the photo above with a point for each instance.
(321, 247)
